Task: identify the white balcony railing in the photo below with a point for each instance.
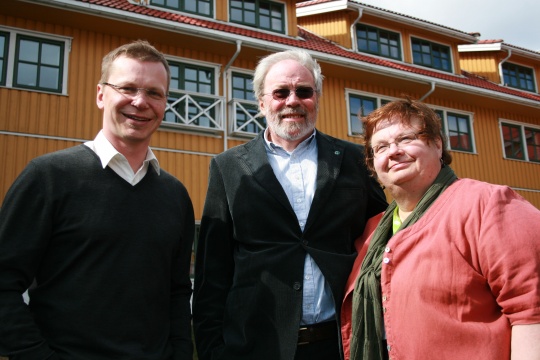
(206, 112)
(195, 111)
(245, 122)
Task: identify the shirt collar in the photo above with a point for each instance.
(274, 147)
(106, 152)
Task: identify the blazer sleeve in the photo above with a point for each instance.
(214, 268)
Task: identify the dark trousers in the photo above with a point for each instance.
(320, 350)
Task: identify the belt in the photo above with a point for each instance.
(317, 332)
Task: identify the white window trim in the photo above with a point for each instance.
(13, 32)
(402, 51)
(221, 107)
(349, 92)
(148, 4)
(244, 26)
(517, 63)
(446, 131)
(231, 116)
(452, 60)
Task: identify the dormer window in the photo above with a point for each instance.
(518, 77)
(377, 41)
(261, 14)
(431, 55)
(198, 7)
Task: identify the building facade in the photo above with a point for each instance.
(486, 92)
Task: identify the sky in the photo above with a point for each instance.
(517, 22)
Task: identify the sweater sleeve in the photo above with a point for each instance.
(25, 229)
(181, 287)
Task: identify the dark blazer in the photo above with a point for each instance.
(250, 257)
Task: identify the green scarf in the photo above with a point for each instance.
(367, 316)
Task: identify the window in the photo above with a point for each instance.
(432, 55)
(4, 40)
(266, 15)
(379, 42)
(199, 7)
(521, 142)
(518, 77)
(244, 106)
(34, 61)
(458, 129)
(360, 105)
(191, 99)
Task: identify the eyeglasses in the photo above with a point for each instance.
(132, 92)
(300, 92)
(400, 142)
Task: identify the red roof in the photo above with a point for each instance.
(310, 42)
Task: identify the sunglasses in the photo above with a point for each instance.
(300, 92)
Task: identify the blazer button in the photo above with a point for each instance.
(297, 286)
(304, 242)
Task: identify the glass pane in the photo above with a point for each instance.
(190, 74)
(26, 75)
(249, 18)
(50, 54)
(236, 15)
(48, 78)
(264, 22)
(277, 24)
(28, 51)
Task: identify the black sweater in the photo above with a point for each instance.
(110, 262)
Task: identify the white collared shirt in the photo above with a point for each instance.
(109, 156)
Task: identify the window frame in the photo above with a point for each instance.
(379, 30)
(446, 128)
(257, 21)
(182, 7)
(236, 104)
(11, 62)
(519, 69)
(521, 127)
(431, 44)
(379, 101)
(4, 57)
(209, 105)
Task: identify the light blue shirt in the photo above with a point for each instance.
(296, 171)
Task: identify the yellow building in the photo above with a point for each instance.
(50, 51)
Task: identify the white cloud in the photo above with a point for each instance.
(516, 22)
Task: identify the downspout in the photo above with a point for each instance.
(429, 92)
(501, 75)
(224, 107)
(354, 44)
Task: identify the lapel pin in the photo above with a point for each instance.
(337, 152)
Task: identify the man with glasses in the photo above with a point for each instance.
(281, 216)
(103, 234)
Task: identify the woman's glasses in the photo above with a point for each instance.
(400, 142)
(300, 92)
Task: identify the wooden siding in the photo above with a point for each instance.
(34, 123)
(482, 64)
(335, 26)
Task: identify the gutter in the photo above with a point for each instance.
(225, 88)
(354, 43)
(501, 64)
(429, 92)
